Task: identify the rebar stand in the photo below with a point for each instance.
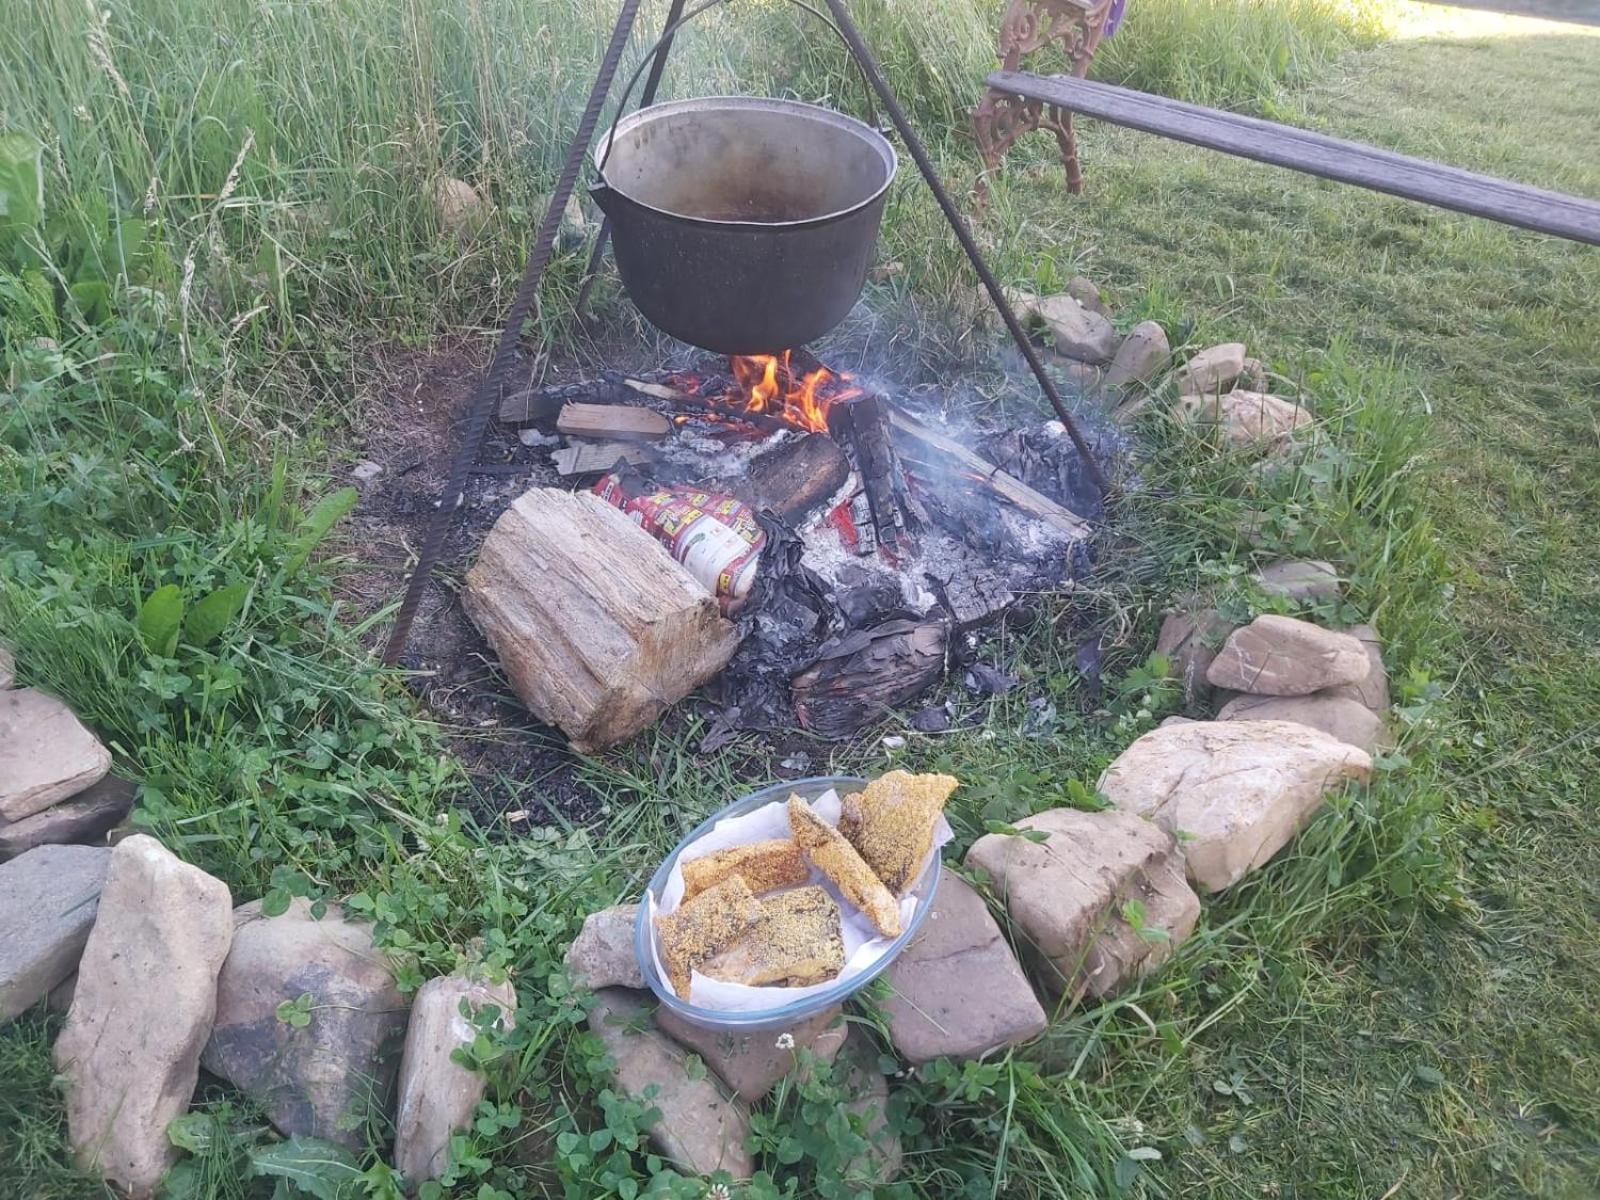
(489, 389)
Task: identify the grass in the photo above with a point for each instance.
(1405, 1000)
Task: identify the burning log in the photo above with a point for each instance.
(863, 425)
(619, 421)
(597, 628)
(973, 599)
(910, 431)
(862, 676)
(799, 475)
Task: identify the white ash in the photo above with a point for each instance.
(710, 457)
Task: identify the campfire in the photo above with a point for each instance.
(851, 539)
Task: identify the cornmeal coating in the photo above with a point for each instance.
(765, 866)
(891, 823)
(836, 858)
(704, 926)
(795, 943)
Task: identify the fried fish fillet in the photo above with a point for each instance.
(703, 927)
(765, 866)
(795, 942)
(891, 823)
(836, 858)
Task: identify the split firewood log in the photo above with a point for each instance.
(597, 627)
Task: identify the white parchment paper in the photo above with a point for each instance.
(863, 945)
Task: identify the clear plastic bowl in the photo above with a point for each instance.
(786, 1015)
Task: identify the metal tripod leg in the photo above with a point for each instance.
(869, 67)
(505, 354)
(591, 273)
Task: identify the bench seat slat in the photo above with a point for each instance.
(1316, 154)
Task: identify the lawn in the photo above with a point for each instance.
(239, 236)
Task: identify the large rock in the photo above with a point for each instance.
(85, 818)
(956, 989)
(1338, 716)
(597, 628)
(1248, 419)
(1302, 580)
(1237, 791)
(1141, 357)
(458, 205)
(437, 1095)
(751, 1063)
(1073, 895)
(146, 993)
(868, 1108)
(325, 1077)
(700, 1129)
(1283, 656)
(602, 955)
(46, 753)
(1190, 640)
(1212, 371)
(1079, 332)
(1087, 293)
(1373, 691)
(48, 898)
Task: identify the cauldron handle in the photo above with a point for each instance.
(670, 31)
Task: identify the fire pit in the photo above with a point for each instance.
(879, 534)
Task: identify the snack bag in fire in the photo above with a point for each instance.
(714, 536)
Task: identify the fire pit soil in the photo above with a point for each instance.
(522, 771)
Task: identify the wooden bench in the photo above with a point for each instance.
(1314, 153)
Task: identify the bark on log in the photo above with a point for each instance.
(863, 676)
(596, 626)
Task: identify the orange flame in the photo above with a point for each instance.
(767, 385)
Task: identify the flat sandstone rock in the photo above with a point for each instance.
(602, 955)
(1373, 691)
(1338, 716)
(1212, 371)
(1282, 656)
(700, 1129)
(437, 1095)
(326, 1077)
(1237, 790)
(957, 990)
(597, 628)
(1069, 895)
(145, 998)
(1303, 580)
(1190, 641)
(86, 818)
(48, 898)
(46, 753)
(752, 1062)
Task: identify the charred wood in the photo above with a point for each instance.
(798, 475)
(861, 677)
(927, 441)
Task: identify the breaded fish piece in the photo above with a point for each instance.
(765, 866)
(836, 858)
(703, 927)
(795, 942)
(891, 823)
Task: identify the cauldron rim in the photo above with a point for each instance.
(796, 108)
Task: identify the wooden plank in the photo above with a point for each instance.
(1007, 487)
(618, 421)
(1317, 154)
(586, 458)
